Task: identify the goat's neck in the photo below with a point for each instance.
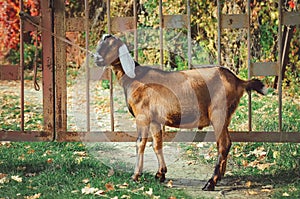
(117, 68)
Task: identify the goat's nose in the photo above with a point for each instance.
(98, 59)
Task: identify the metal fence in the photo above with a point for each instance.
(54, 73)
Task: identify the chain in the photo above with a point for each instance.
(29, 19)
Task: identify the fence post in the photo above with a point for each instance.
(48, 69)
(60, 69)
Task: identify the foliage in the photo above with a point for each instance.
(10, 23)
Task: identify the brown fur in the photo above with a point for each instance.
(186, 99)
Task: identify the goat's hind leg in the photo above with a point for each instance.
(223, 144)
(156, 131)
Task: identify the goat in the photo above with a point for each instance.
(193, 98)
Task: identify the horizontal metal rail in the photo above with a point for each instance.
(169, 136)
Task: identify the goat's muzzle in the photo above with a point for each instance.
(99, 61)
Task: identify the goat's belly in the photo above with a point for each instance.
(187, 121)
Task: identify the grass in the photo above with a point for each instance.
(10, 113)
(265, 114)
(65, 170)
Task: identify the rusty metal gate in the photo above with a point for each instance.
(53, 25)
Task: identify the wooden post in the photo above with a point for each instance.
(60, 70)
(48, 69)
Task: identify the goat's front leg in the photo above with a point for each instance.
(156, 131)
(140, 148)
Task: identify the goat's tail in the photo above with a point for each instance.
(257, 85)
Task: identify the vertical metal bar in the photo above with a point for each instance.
(60, 71)
(161, 37)
(189, 34)
(249, 66)
(135, 30)
(280, 66)
(48, 69)
(87, 68)
(219, 31)
(111, 91)
(22, 67)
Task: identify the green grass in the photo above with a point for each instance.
(265, 114)
(62, 170)
(10, 112)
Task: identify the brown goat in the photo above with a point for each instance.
(185, 99)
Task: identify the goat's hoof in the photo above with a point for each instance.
(160, 176)
(135, 177)
(209, 186)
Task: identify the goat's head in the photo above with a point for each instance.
(111, 50)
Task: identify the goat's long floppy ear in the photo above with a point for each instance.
(127, 62)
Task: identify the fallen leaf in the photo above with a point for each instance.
(251, 192)
(172, 197)
(35, 196)
(109, 187)
(276, 154)
(5, 143)
(245, 163)
(123, 186)
(16, 178)
(99, 193)
(285, 194)
(89, 190)
(267, 186)
(248, 184)
(80, 153)
(266, 190)
(21, 168)
(189, 152)
(3, 178)
(22, 157)
(78, 160)
(86, 180)
(150, 192)
(49, 160)
(139, 189)
(170, 184)
(30, 151)
(264, 166)
(116, 197)
(125, 197)
(2, 175)
(111, 172)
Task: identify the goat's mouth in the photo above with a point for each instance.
(99, 61)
